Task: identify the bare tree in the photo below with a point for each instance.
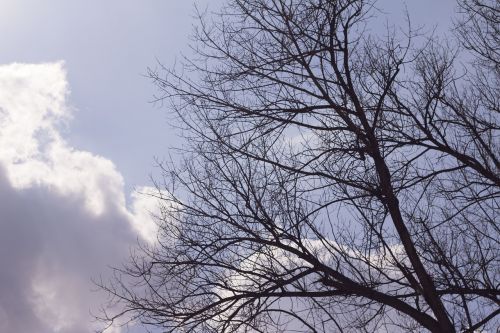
(336, 179)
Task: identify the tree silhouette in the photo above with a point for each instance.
(335, 180)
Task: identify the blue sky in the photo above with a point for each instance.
(106, 47)
(78, 135)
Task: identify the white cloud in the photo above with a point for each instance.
(33, 104)
(243, 279)
(143, 210)
(63, 212)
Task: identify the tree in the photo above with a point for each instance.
(336, 179)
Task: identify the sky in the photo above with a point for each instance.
(78, 141)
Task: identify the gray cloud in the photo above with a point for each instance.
(50, 247)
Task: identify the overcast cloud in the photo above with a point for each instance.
(64, 216)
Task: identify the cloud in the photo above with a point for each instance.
(63, 212)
